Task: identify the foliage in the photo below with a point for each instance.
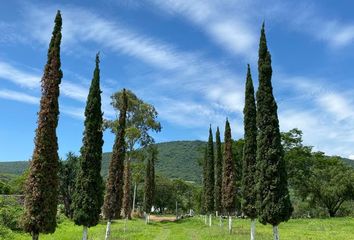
(67, 178)
(4, 188)
(149, 187)
(140, 121)
(319, 182)
(10, 213)
(218, 172)
(209, 175)
(88, 197)
(249, 175)
(229, 175)
(114, 190)
(42, 183)
(274, 199)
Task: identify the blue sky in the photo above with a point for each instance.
(188, 58)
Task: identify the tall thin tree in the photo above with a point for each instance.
(126, 204)
(88, 197)
(249, 178)
(218, 172)
(114, 187)
(274, 200)
(150, 180)
(210, 178)
(228, 180)
(41, 194)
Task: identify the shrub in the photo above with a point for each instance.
(10, 213)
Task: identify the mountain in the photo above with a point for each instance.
(178, 159)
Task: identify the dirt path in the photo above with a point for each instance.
(162, 218)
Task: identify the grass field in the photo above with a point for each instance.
(298, 229)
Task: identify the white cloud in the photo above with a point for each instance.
(222, 21)
(31, 81)
(24, 79)
(18, 96)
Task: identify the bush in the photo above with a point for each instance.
(5, 233)
(10, 213)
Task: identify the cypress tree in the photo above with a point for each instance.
(88, 197)
(41, 194)
(204, 165)
(150, 180)
(114, 187)
(275, 206)
(210, 178)
(218, 172)
(249, 182)
(228, 180)
(126, 190)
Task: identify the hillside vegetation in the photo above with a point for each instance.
(178, 159)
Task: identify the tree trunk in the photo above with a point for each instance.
(108, 230)
(35, 236)
(176, 210)
(84, 233)
(205, 219)
(209, 220)
(220, 222)
(275, 233)
(134, 196)
(332, 213)
(230, 225)
(253, 229)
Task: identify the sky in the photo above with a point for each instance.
(188, 59)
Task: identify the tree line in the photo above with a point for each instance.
(86, 196)
(264, 184)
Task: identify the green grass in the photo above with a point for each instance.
(298, 229)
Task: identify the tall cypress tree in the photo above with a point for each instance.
(275, 206)
(228, 180)
(218, 172)
(249, 179)
(114, 187)
(88, 197)
(150, 179)
(204, 165)
(126, 204)
(210, 178)
(41, 194)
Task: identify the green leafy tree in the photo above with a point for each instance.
(330, 184)
(114, 187)
(88, 197)
(210, 177)
(228, 180)
(41, 193)
(67, 179)
(249, 177)
(275, 206)
(141, 120)
(218, 172)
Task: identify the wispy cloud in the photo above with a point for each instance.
(191, 72)
(22, 78)
(18, 96)
(335, 33)
(31, 80)
(326, 120)
(222, 21)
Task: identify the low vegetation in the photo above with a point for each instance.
(194, 228)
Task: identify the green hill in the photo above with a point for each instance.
(177, 159)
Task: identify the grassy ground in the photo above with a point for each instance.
(298, 229)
